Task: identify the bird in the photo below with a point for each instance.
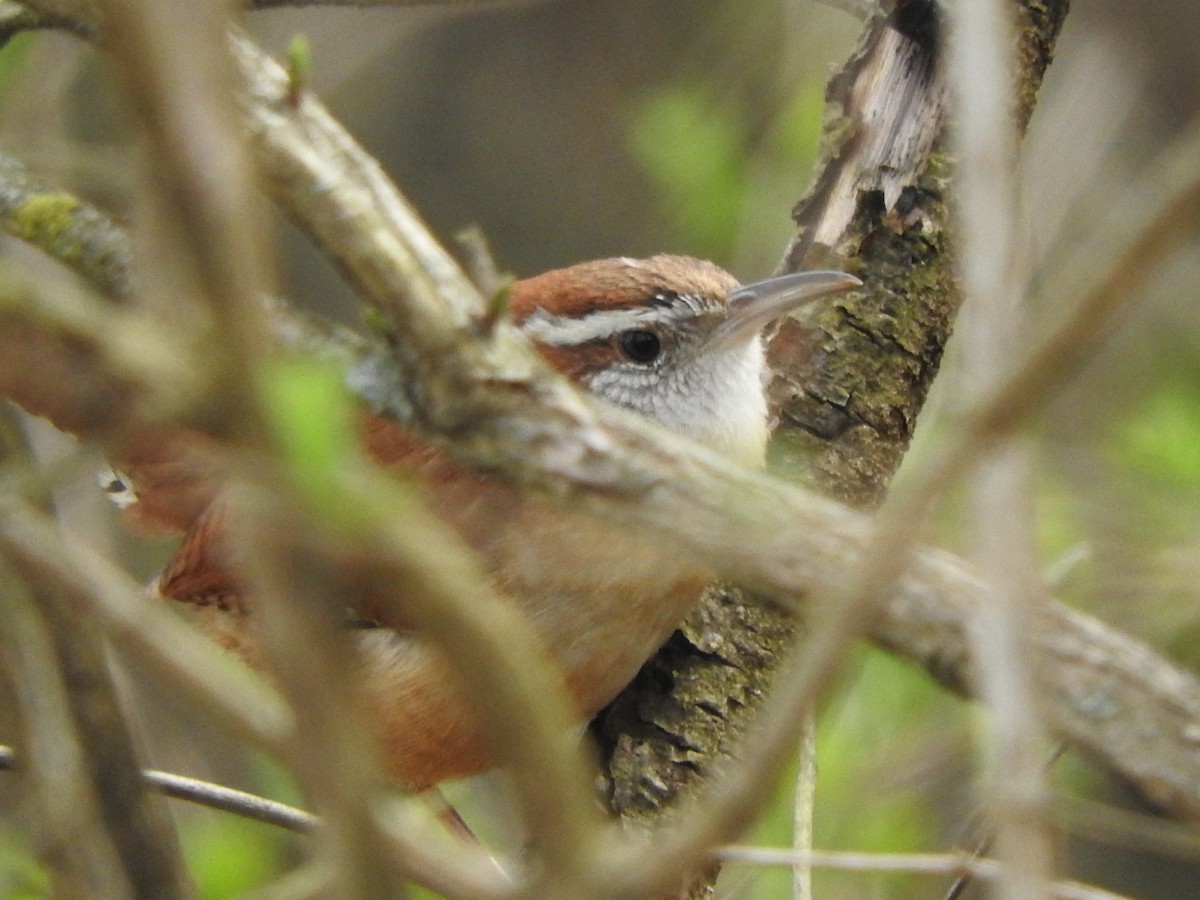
(674, 338)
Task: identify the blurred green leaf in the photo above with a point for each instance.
(310, 414)
(796, 133)
(694, 153)
(21, 876)
(1162, 441)
(719, 180)
(14, 55)
(228, 856)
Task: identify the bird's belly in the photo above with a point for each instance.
(602, 598)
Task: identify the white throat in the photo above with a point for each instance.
(716, 398)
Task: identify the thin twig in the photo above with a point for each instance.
(180, 83)
(75, 233)
(61, 793)
(214, 796)
(138, 827)
(912, 863)
(982, 68)
(803, 807)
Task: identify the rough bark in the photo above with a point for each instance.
(849, 386)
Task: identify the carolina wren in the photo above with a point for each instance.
(674, 338)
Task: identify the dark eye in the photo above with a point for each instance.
(639, 345)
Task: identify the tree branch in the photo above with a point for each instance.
(78, 235)
(138, 828)
(214, 796)
(915, 863)
(144, 631)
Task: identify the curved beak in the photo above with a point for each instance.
(754, 305)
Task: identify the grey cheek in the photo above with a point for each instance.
(611, 386)
(636, 390)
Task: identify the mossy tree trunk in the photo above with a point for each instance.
(850, 382)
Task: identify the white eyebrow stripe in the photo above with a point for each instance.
(565, 331)
(569, 331)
